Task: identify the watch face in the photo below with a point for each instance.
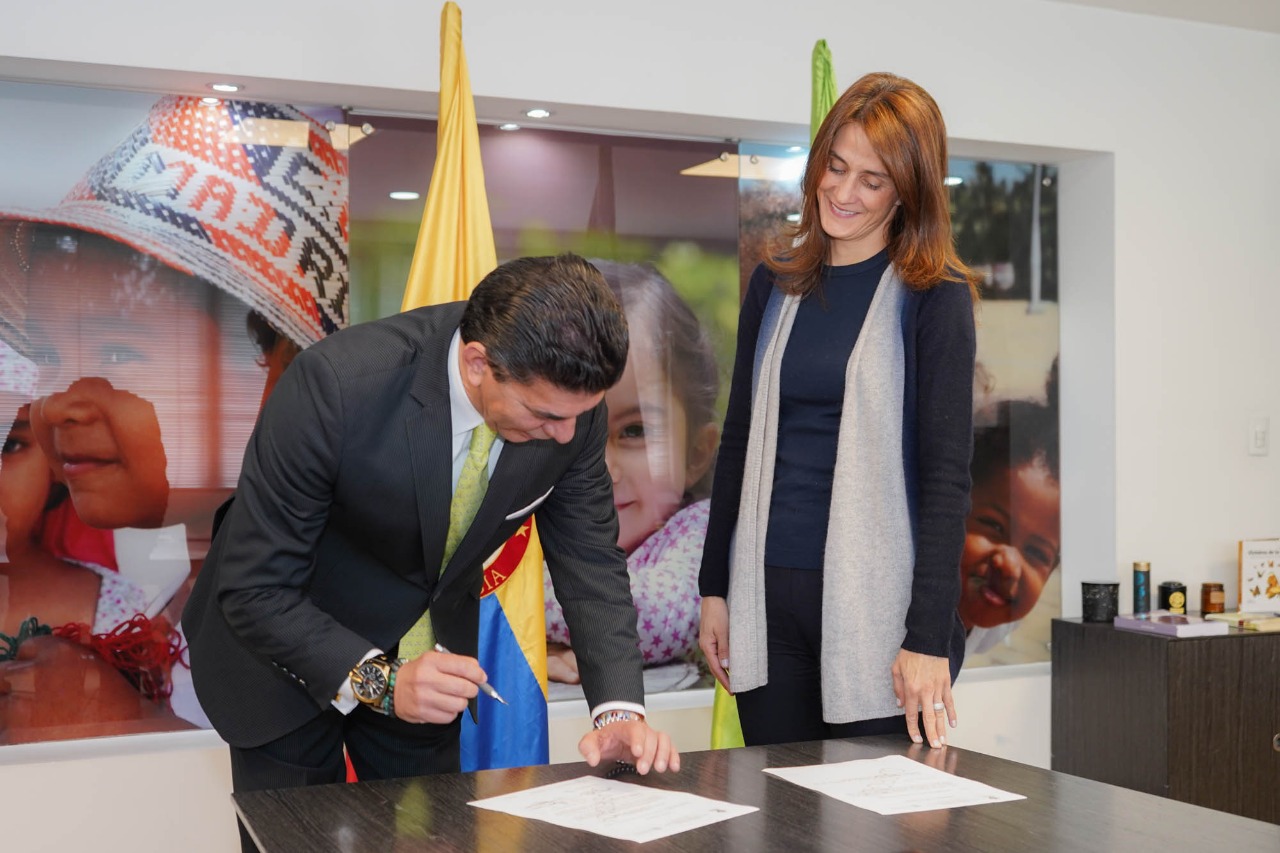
(370, 682)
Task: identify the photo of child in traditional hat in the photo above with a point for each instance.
(137, 296)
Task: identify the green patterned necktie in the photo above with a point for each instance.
(472, 484)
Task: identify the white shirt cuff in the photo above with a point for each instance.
(346, 700)
(615, 706)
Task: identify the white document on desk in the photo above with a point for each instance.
(615, 809)
(892, 785)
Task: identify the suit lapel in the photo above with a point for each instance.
(430, 435)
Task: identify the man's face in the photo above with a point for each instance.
(522, 411)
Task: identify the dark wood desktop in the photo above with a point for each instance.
(1060, 812)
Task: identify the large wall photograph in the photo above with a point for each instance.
(155, 278)
(162, 259)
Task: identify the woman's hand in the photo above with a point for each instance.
(713, 637)
(923, 683)
(562, 664)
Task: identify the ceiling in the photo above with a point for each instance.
(551, 179)
(1261, 15)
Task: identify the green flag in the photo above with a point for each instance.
(824, 87)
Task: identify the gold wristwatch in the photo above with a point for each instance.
(373, 682)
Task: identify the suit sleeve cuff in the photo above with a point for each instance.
(346, 700)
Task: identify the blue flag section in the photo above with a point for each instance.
(513, 735)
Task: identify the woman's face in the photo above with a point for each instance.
(856, 199)
(25, 481)
(125, 361)
(1011, 545)
(645, 452)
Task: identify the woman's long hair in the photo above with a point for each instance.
(905, 128)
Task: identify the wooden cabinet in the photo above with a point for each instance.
(1196, 719)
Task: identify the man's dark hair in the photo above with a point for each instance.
(549, 318)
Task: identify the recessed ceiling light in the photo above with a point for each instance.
(795, 149)
(509, 126)
(404, 195)
(538, 112)
(793, 217)
(224, 87)
(952, 181)
(211, 101)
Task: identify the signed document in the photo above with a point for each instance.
(615, 809)
(893, 785)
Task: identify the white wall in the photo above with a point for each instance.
(1165, 131)
(1185, 111)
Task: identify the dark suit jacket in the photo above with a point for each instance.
(334, 540)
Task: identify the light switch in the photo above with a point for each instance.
(1259, 436)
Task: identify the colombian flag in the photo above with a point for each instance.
(513, 649)
(454, 251)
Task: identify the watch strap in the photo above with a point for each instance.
(387, 707)
(617, 715)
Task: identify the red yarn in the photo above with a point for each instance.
(143, 650)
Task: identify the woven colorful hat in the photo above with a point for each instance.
(18, 375)
(249, 197)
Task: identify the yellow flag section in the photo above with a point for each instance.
(454, 251)
(455, 241)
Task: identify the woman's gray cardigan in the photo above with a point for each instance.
(900, 499)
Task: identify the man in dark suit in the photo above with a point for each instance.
(334, 545)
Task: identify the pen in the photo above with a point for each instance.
(485, 687)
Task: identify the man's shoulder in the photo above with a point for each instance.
(389, 342)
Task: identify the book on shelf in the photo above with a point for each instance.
(1168, 624)
(1259, 566)
(1248, 621)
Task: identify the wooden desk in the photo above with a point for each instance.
(1195, 719)
(1060, 813)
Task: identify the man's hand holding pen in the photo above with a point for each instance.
(435, 687)
(485, 687)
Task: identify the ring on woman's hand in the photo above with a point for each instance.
(938, 706)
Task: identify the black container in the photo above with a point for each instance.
(1099, 600)
(1173, 597)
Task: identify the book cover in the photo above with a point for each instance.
(1248, 621)
(1170, 624)
(1259, 561)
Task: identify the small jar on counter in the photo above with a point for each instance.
(1173, 597)
(1212, 598)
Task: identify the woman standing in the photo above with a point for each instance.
(829, 577)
